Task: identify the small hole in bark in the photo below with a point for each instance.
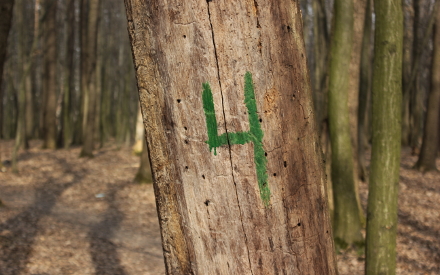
(186, 141)
(261, 120)
(326, 231)
(297, 139)
(184, 36)
(299, 224)
(285, 164)
(207, 202)
(186, 167)
(274, 174)
(288, 28)
(265, 154)
(178, 101)
(185, 128)
(203, 176)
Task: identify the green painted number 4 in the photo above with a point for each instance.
(254, 135)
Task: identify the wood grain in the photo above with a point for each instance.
(212, 217)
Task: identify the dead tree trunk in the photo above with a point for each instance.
(236, 161)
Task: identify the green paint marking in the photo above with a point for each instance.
(254, 135)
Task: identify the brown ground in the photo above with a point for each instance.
(56, 223)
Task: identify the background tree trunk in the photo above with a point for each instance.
(50, 85)
(5, 25)
(408, 40)
(424, 17)
(347, 222)
(89, 58)
(359, 7)
(365, 91)
(429, 149)
(255, 204)
(385, 159)
(144, 173)
(20, 133)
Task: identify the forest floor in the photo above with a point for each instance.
(68, 215)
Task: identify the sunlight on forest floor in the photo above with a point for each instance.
(66, 215)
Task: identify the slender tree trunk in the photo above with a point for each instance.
(429, 149)
(89, 77)
(139, 136)
(5, 25)
(69, 76)
(144, 173)
(29, 107)
(50, 57)
(320, 53)
(423, 21)
(359, 7)
(347, 221)
(416, 92)
(20, 133)
(236, 160)
(365, 90)
(385, 159)
(408, 40)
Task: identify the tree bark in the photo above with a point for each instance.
(236, 161)
(408, 41)
(429, 149)
(144, 173)
(88, 75)
(140, 135)
(347, 221)
(320, 53)
(20, 134)
(365, 91)
(5, 26)
(50, 92)
(359, 7)
(385, 159)
(418, 80)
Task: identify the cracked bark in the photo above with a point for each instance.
(212, 218)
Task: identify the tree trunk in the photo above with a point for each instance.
(144, 173)
(320, 53)
(5, 26)
(365, 91)
(140, 135)
(418, 79)
(69, 75)
(359, 7)
(235, 156)
(408, 40)
(50, 93)
(89, 76)
(347, 221)
(20, 133)
(429, 149)
(29, 106)
(385, 159)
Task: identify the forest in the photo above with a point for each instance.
(219, 137)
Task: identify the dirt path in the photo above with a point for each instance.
(66, 215)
